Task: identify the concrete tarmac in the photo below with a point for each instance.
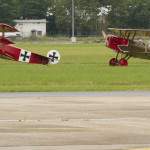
(75, 121)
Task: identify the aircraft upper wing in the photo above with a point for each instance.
(138, 32)
(7, 28)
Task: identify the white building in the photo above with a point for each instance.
(30, 28)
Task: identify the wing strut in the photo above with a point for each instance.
(134, 35)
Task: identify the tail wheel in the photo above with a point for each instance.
(113, 62)
(123, 62)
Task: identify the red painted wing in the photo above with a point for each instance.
(7, 28)
(24, 55)
(5, 41)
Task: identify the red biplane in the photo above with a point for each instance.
(9, 51)
(127, 43)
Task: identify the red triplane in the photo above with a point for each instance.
(128, 43)
(9, 51)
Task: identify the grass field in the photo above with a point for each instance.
(83, 67)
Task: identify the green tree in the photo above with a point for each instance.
(62, 15)
(139, 12)
(129, 14)
(87, 19)
(119, 14)
(8, 11)
(123, 14)
(33, 9)
(86, 16)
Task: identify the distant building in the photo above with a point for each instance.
(30, 28)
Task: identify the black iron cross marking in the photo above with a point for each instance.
(53, 57)
(25, 56)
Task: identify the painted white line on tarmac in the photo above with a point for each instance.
(76, 94)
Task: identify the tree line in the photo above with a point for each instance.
(91, 16)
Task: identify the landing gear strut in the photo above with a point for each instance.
(123, 61)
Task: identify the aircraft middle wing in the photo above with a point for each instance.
(128, 32)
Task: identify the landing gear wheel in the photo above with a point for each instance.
(123, 62)
(113, 62)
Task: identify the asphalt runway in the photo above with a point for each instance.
(75, 121)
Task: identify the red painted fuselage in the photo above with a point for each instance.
(115, 43)
(9, 51)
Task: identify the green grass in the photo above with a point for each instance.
(83, 67)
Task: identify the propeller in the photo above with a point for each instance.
(105, 37)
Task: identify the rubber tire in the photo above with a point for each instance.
(123, 62)
(113, 62)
